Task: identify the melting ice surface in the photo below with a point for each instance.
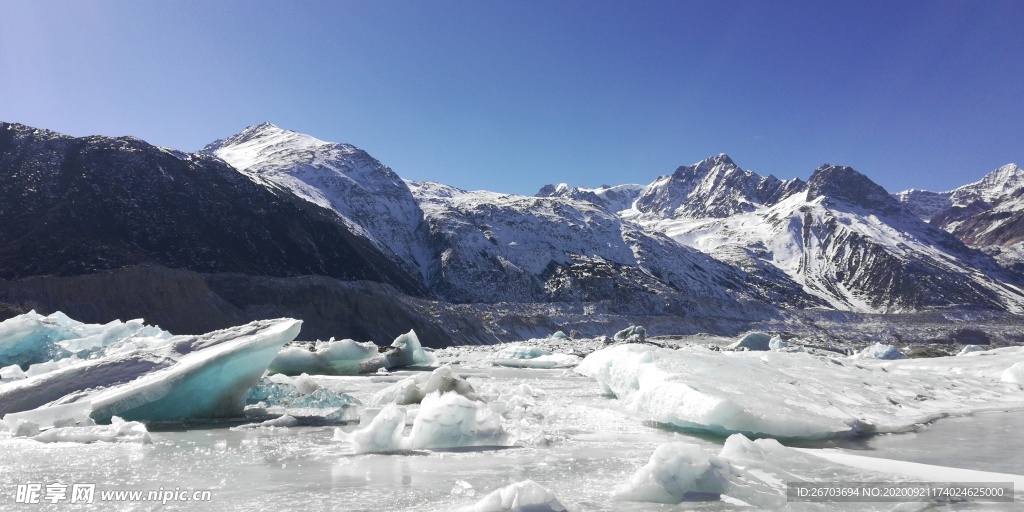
(568, 443)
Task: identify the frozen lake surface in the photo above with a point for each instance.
(570, 438)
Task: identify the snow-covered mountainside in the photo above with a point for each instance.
(612, 199)
(372, 199)
(987, 214)
(506, 248)
(841, 236)
(73, 206)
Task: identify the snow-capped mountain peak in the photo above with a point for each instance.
(260, 144)
(847, 185)
(996, 185)
(712, 188)
(369, 197)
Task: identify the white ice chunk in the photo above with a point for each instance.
(776, 343)
(23, 428)
(407, 351)
(12, 372)
(678, 472)
(970, 349)
(1014, 374)
(451, 420)
(383, 434)
(444, 420)
(345, 357)
(118, 431)
(525, 496)
(879, 351)
(790, 395)
(412, 390)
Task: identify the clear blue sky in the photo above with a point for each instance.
(511, 95)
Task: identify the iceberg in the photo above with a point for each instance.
(407, 351)
(799, 395)
(345, 357)
(777, 343)
(444, 420)
(208, 383)
(758, 341)
(525, 496)
(208, 376)
(32, 339)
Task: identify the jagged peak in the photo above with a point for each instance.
(847, 185)
(1005, 177)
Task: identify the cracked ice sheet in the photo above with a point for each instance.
(799, 395)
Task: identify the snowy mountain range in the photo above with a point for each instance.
(710, 240)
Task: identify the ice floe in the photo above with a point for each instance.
(799, 395)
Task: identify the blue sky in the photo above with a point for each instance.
(509, 96)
